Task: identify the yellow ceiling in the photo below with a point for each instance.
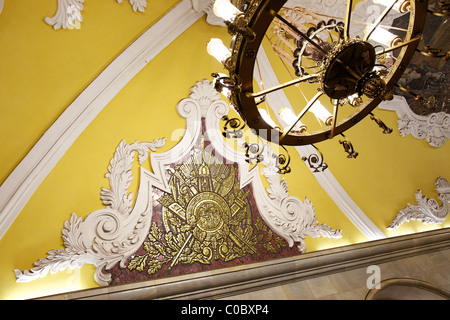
(43, 70)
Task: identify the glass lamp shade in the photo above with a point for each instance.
(218, 50)
(225, 10)
(288, 116)
(385, 37)
(355, 100)
(265, 115)
(401, 6)
(322, 113)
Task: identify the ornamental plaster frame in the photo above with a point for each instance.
(68, 13)
(111, 235)
(427, 210)
(435, 127)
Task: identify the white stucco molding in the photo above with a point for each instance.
(427, 210)
(137, 5)
(106, 236)
(435, 127)
(68, 12)
(17, 189)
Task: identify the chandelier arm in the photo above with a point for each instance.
(281, 86)
(301, 114)
(418, 38)
(347, 19)
(378, 21)
(300, 33)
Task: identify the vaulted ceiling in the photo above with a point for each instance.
(69, 96)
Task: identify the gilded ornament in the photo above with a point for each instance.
(205, 218)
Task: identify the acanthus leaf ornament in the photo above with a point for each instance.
(107, 236)
(138, 5)
(427, 210)
(68, 13)
(434, 128)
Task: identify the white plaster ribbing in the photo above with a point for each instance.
(1, 6)
(37, 164)
(276, 101)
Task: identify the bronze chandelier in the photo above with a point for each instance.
(350, 73)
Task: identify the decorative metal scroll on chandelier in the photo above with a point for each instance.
(351, 75)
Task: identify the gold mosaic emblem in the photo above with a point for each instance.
(206, 217)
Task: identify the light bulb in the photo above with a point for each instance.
(225, 10)
(288, 116)
(267, 117)
(355, 100)
(218, 50)
(401, 6)
(322, 113)
(385, 37)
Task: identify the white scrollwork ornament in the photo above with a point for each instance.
(427, 210)
(138, 5)
(107, 236)
(434, 128)
(68, 13)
